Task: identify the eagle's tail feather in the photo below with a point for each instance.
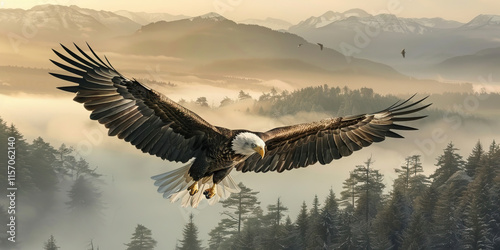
(174, 185)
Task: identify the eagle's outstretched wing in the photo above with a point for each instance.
(132, 111)
(305, 144)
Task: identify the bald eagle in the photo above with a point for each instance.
(159, 126)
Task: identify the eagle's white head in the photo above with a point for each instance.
(247, 143)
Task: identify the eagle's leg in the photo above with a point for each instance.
(209, 193)
(193, 189)
(217, 177)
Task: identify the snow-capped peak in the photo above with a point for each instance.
(330, 17)
(483, 20)
(212, 16)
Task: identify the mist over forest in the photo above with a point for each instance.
(80, 189)
(50, 196)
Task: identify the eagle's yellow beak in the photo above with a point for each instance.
(259, 150)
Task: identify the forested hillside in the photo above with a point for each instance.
(336, 101)
(456, 207)
(42, 174)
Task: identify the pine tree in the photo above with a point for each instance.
(404, 174)
(448, 221)
(410, 180)
(84, 198)
(448, 163)
(40, 164)
(347, 238)
(217, 237)
(426, 204)
(329, 220)
(65, 161)
(495, 212)
(369, 190)
(273, 238)
(313, 240)
(91, 245)
(4, 220)
(349, 194)
(4, 131)
(302, 226)
(475, 159)
(493, 161)
(50, 244)
(416, 166)
(82, 168)
(478, 202)
(85, 206)
(416, 236)
(289, 238)
(190, 236)
(392, 221)
(247, 240)
(276, 212)
(141, 239)
(493, 156)
(420, 230)
(418, 181)
(240, 205)
(251, 237)
(477, 234)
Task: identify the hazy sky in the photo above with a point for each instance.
(290, 10)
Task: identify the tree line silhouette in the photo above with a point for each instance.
(456, 207)
(336, 101)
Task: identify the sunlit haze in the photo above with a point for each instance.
(242, 73)
(292, 11)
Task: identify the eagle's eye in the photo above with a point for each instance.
(254, 145)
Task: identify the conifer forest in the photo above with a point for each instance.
(455, 207)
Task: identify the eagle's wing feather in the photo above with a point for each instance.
(132, 111)
(305, 144)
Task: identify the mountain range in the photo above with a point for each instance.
(427, 41)
(386, 22)
(213, 45)
(58, 22)
(476, 67)
(217, 46)
(144, 18)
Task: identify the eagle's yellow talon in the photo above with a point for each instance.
(193, 189)
(209, 193)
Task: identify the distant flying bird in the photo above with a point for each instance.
(403, 52)
(159, 126)
(320, 46)
(300, 44)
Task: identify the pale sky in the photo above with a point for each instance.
(289, 10)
